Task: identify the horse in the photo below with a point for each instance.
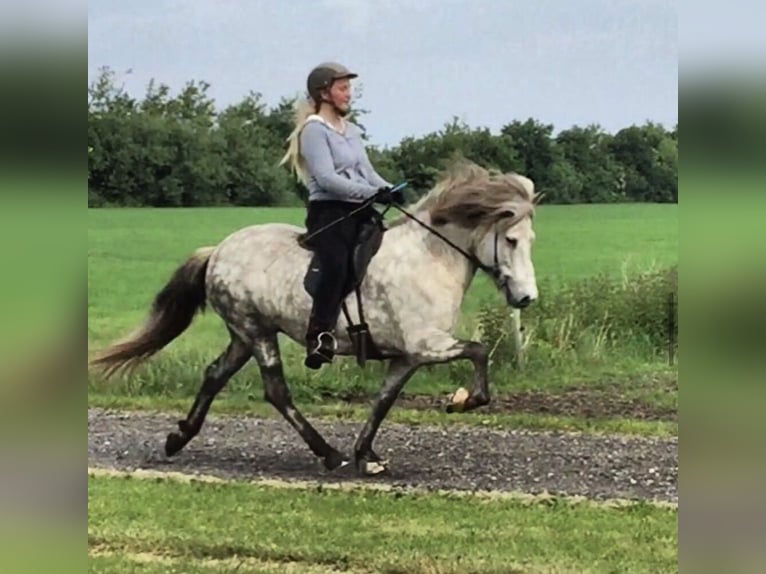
(472, 219)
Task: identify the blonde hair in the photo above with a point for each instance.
(303, 109)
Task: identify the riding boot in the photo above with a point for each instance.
(320, 344)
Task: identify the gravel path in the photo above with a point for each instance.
(428, 457)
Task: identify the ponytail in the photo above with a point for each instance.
(293, 157)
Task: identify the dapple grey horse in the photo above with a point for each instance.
(413, 289)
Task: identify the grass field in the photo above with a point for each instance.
(160, 525)
(131, 253)
(166, 526)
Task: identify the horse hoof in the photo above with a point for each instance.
(335, 461)
(174, 443)
(458, 401)
(373, 466)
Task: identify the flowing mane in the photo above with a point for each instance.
(473, 197)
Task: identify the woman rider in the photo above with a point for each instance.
(328, 154)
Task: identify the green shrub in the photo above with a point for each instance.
(588, 319)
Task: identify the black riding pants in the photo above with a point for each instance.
(334, 246)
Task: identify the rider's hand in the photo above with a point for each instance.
(386, 197)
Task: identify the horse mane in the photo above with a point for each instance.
(473, 197)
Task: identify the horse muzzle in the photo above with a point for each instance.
(516, 300)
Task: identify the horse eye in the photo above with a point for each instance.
(512, 242)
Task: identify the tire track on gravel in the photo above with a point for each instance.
(424, 457)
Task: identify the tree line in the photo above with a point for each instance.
(181, 150)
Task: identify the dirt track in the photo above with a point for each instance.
(428, 457)
(582, 402)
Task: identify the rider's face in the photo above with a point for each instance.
(339, 94)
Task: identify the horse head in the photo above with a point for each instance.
(496, 210)
(506, 250)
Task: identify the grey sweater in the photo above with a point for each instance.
(337, 163)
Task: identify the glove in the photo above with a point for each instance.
(386, 197)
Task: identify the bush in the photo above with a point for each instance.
(587, 319)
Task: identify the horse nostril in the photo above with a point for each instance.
(524, 301)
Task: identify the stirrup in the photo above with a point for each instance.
(332, 339)
(317, 356)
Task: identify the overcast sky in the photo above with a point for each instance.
(421, 62)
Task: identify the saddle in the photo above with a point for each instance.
(368, 244)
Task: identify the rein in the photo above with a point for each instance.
(494, 271)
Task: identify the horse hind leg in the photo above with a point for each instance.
(276, 392)
(217, 374)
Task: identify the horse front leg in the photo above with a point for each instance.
(432, 349)
(400, 370)
(479, 395)
(444, 349)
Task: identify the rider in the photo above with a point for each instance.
(327, 152)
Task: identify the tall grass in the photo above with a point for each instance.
(593, 319)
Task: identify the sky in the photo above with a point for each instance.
(420, 62)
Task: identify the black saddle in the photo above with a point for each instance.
(368, 244)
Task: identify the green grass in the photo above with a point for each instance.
(116, 563)
(131, 253)
(209, 527)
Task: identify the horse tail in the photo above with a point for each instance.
(173, 310)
